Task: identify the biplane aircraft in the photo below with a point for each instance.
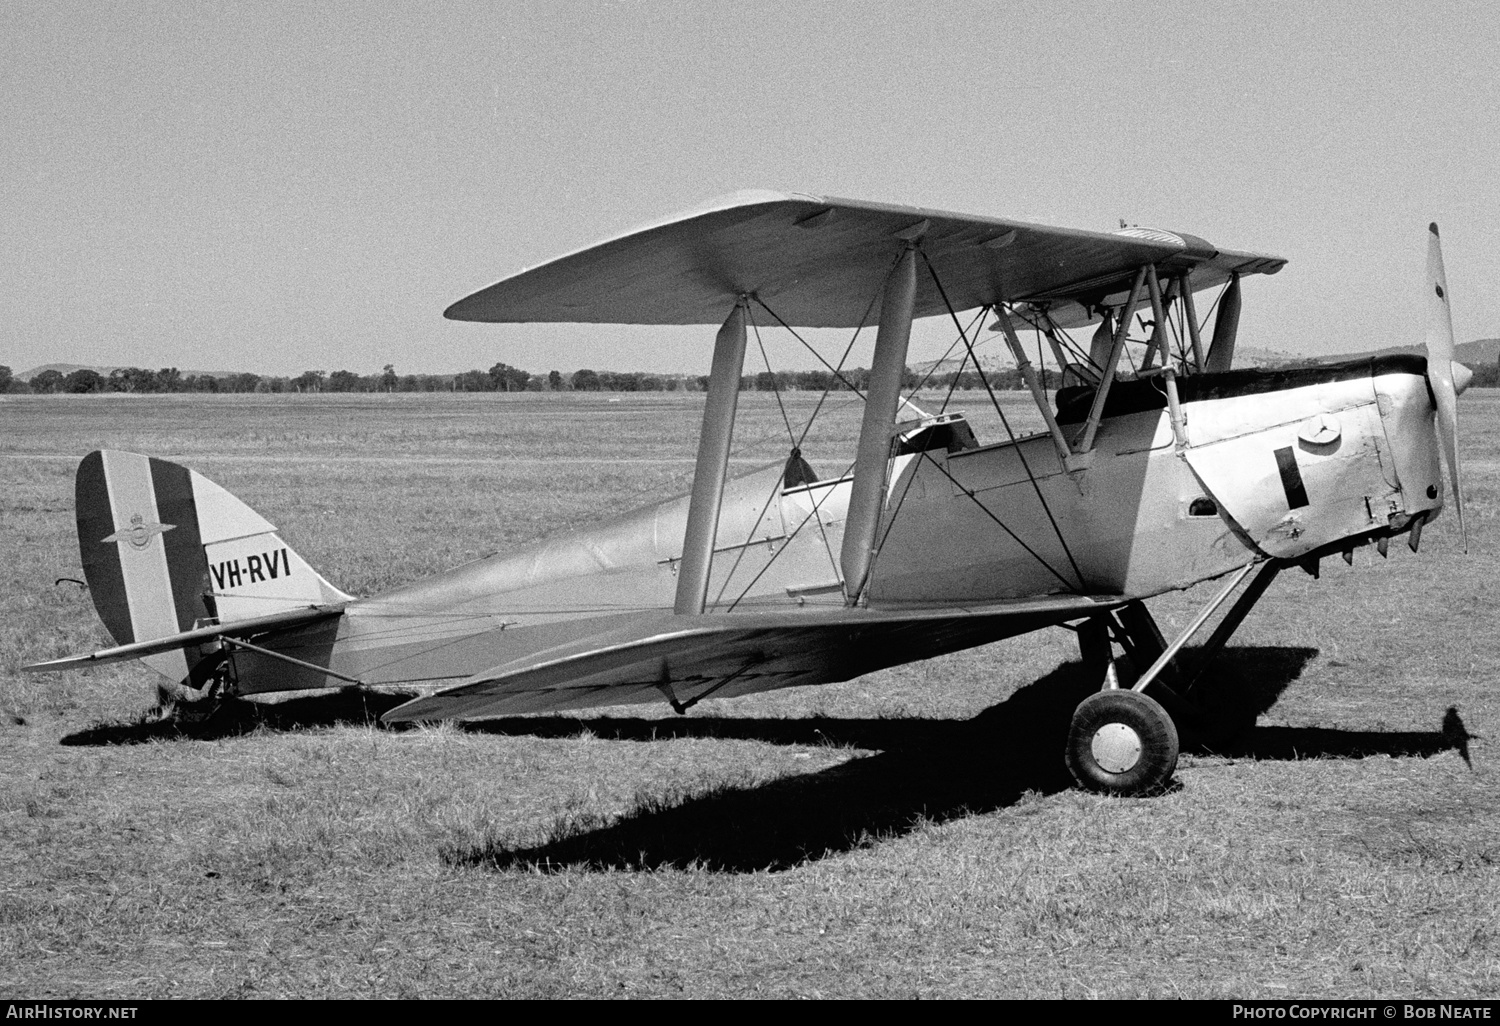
(1160, 467)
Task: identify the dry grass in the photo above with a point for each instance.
(909, 833)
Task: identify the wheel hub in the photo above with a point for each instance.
(1116, 748)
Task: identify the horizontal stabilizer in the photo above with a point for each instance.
(250, 627)
(818, 261)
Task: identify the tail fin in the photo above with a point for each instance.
(166, 550)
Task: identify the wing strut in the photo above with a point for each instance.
(713, 463)
(1158, 342)
(1226, 328)
(1028, 375)
(1096, 412)
(867, 492)
(1191, 313)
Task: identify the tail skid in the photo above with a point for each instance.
(167, 552)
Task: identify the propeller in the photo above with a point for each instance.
(1442, 371)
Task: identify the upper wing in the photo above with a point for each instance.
(816, 262)
(729, 655)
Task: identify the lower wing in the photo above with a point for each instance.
(685, 659)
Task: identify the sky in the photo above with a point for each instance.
(278, 187)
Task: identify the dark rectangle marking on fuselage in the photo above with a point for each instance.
(1291, 478)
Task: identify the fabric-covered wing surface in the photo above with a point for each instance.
(818, 261)
(727, 656)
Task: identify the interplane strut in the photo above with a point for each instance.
(713, 463)
(882, 394)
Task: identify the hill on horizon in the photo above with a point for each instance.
(1480, 351)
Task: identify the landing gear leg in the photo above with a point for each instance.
(1140, 635)
(1122, 741)
(1232, 619)
(1093, 644)
(1133, 628)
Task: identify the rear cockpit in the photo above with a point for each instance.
(946, 432)
(949, 432)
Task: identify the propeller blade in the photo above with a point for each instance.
(1440, 368)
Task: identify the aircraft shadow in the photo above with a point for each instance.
(926, 771)
(1293, 743)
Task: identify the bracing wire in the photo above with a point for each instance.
(796, 440)
(1004, 527)
(817, 505)
(749, 539)
(1005, 422)
(775, 385)
(863, 318)
(952, 346)
(796, 445)
(837, 373)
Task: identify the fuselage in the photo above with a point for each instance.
(1259, 464)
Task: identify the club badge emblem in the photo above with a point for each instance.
(139, 533)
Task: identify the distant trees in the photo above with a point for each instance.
(83, 380)
(343, 381)
(47, 381)
(309, 381)
(611, 381)
(471, 381)
(502, 377)
(505, 378)
(132, 379)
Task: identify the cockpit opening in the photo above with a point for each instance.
(950, 432)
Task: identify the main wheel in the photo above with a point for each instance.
(1122, 742)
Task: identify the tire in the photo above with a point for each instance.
(1122, 743)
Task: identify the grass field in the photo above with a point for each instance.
(911, 833)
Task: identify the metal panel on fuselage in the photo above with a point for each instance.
(1307, 467)
(1310, 474)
